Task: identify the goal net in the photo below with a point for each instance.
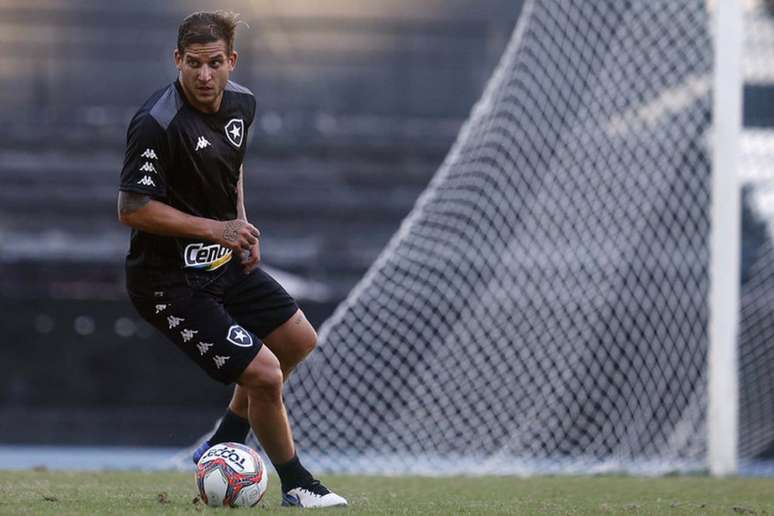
(544, 307)
(756, 331)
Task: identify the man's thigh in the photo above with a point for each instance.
(293, 336)
(259, 303)
(197, 323)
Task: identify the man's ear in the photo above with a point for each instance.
(233, 59)
(178, 59)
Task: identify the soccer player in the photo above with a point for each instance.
(192, 269)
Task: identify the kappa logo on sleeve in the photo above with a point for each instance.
(239, 337)
(146, 181)
(149, 154)
(235, 129)
(148, 167)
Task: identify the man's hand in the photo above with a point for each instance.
(236, 234)
(251, 259)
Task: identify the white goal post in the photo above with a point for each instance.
(723, 364)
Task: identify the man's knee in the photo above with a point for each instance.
(293, 341)
(263, 378)
(306, 338)
(308, 342)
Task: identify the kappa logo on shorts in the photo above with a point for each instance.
(219, 360)
(174, 321)
(206, 257)
(239, 337)
(188, 334)
(161, 308)
(203, 347)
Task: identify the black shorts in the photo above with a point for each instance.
(217, 318)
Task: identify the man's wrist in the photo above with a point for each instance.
(211, 230)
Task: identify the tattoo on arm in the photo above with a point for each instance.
(231, 231)
(129, 202)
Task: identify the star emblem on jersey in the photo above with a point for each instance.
(239, 337)
(148, 167)
(203, 347)
(219, 360)
(188, 334)
(146, 181)
(235, 129)
(174, 322)
(149, 154)
(202, 143)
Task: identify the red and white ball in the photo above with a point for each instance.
(231, 475)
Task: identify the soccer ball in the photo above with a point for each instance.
(231, 475)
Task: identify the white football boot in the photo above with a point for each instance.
(313, 495)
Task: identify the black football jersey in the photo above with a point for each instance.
(189, 160)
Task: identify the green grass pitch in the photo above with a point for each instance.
(63, 493)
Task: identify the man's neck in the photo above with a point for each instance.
(205, 108)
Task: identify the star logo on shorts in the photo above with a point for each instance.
(235, 129)
(239, 337)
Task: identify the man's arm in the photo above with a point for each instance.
(249, 261)
(241, 213)
(141, 212)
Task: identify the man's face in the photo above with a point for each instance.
(204, 71)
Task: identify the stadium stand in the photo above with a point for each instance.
(358, 104)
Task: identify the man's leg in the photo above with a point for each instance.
(238, 403)
(233, 427)
(291, 342)
(262, 381)
(261, 306)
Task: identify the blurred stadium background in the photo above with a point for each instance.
(358, 103)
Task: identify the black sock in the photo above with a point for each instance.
(292, 474)
(232, 429)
